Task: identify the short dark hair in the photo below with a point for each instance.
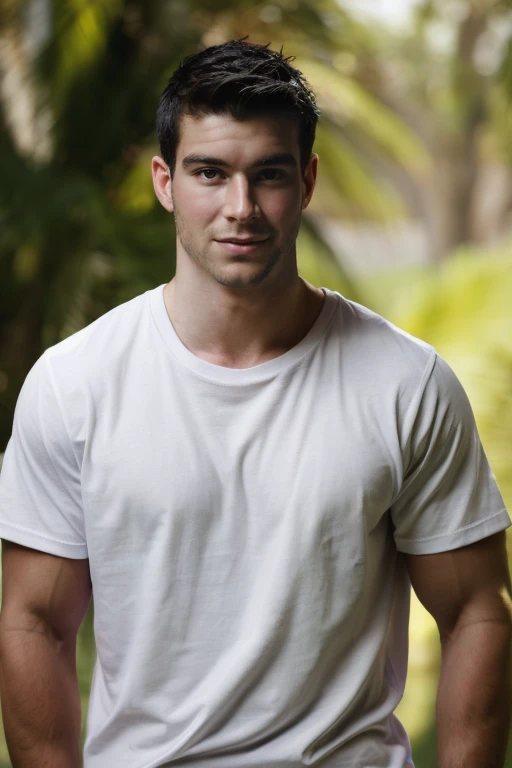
(238, 78)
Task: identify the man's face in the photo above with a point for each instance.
(237, 195)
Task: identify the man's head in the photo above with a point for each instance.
(236, 126)
(243, 80)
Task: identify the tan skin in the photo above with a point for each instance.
(238, 310)
(44, 601)
(468, 593)
(229, 308)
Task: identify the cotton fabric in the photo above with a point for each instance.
(246, 530)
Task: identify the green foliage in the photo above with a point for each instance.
(347, 102)
(318, 264)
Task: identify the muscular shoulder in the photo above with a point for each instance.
(381, 362)
(86, 366)
(101, 343)
(385, 347)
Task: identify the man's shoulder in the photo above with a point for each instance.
(99, 353)
(377, 346)
(103, 339)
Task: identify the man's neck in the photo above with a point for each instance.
(241, 331)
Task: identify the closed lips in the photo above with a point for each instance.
(243, 242)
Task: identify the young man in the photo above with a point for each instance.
(246, 470)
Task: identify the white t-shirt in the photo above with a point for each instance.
(244, 530)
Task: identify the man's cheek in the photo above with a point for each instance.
(203, 206)
(195, 199)
(285, 208)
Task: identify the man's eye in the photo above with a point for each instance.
(272, 174)
(208, 173)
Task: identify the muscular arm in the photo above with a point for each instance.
(467, 591)
(44, 600)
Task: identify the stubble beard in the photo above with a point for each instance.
(200, 257)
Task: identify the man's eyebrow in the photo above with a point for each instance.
(203, 160)
(281, 158)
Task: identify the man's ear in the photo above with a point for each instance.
(309, 180)
(162, 183)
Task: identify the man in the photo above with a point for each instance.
(246, 470)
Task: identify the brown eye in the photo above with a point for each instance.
(209, 173)
(272, 174)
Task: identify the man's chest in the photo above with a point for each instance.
(318, 464)
(208, 513)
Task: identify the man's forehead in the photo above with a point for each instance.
(253, 137)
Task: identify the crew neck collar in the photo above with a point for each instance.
(238, 376)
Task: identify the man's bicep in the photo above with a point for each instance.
(469, 584)
(44, 589)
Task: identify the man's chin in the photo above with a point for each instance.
(245, 275)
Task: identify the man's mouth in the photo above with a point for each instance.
(243, 240)
(242, 245)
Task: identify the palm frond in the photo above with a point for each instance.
(346, 103)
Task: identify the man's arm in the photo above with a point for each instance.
(44, 600)
(468, 593)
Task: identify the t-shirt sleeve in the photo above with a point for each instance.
(449, 496)
(40, 493)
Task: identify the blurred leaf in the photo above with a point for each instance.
(319, 265)
(346, 102)
(357, 193)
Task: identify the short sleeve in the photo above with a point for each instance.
(40, 494)
(449, 496)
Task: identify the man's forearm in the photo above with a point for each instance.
(473, 703)
(40, 699)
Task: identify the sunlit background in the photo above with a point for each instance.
(412, 215)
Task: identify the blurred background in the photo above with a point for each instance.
(412, 215)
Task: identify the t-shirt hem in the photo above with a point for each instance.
(41, 542)
(481, 529)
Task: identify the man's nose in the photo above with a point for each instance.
(239, 202)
